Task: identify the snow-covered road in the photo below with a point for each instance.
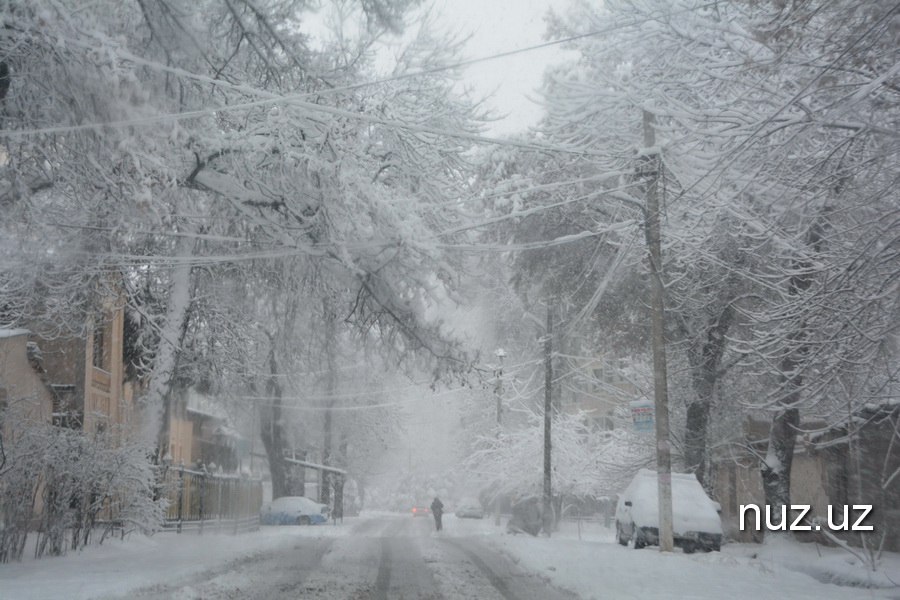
(399, 557)
(382, 557)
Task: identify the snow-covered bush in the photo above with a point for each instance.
(65, 486)
(585, 463)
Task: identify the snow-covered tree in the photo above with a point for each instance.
(775, 165)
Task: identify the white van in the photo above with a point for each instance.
(695, 518)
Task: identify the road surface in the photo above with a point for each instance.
(379, 558)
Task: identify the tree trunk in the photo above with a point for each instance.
(705, 362)
(171, 339)
(695, 437)
(547, 517)
(272, 427)
(340, 480)
(776, 468)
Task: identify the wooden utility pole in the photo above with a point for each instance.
(330, 390)
(661, 399)
(548, 408)
(498, 391)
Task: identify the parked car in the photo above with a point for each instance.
(293, 510)
(470, 509)
(695, 519)
(420, 511)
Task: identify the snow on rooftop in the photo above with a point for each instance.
(8, 333)
(202, 404)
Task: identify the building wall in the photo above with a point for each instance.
(597, 388)
(808, 483)
(23, 392)
(25, 397)
(64, 364)
(106, 404)
(738, 482)
(181, 433)
(825, 473)
(862, 473)
(879, 459)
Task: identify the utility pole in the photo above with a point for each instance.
(498, 388)
(548, 407)
(498, 391)
(660, 396)
(331, 389)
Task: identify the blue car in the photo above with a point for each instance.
(293, 510)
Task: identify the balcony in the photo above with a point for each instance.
(101, 380)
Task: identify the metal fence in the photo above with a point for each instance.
(201, 501)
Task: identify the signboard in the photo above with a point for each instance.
(642, 415)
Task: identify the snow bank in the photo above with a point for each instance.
(597, 567)
(119, 567)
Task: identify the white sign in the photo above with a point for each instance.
(642, 412)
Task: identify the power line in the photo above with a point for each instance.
(393, 78)
(311, 106)
(297, 99)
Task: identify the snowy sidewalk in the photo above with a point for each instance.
(118, 567)
(597, 567)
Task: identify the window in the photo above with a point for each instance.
(99, 348)
(4, 404)
(65, 413)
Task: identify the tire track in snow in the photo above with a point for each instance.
(491, 576)
(508, 582)
(383, 581)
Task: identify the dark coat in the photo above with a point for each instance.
(437, 507)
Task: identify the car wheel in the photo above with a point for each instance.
(688, 547)
(303, 520)
(620, 536)
(714, 547)
(638, 538)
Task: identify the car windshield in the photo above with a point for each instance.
(439, 299)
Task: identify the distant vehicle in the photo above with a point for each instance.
(420, 511)
(293, 510)
(695, 518)
(470, 509)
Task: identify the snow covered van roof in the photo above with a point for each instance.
(8, 333)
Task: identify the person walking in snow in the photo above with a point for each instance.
(437, 509)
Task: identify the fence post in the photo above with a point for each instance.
(203, 481)
(237, 513)
(180, 494)
(219, 485)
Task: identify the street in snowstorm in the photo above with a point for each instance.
(449, 299)
(386, 557)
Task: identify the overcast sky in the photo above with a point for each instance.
(500, 26)
(495, 26)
